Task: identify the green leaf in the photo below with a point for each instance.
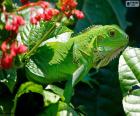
(50, 111)
(9, 78)
(102, 12)
(31, 34)
(6, 104)
(8, 4)
(59, 109)
(56, 90)
(129, 75)
(36, 68)
(27, 88)
(3, 36)
(66, 110)
(50, 98)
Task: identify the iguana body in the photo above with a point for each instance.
(93, 48)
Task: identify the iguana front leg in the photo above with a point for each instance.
(76, 77)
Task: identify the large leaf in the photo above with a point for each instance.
(8, 77)
(36, 68)
(31, 92)
(129, 75)
(59, 109)
(27, 88)
(102, 12)
(31, 34)
(50, 98)
(56, 90)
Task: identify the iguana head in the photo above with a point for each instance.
(110, 41)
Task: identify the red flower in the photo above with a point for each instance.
(19, 20)
(55, 12)
(73, 4)
(9, 51)
(4, 46)
(79, 14)
(21, 49)
(39, 16)
(68, 7)
(44, 4)
(6, 60)
(17, 48)
(48, 14)
(8, 27)
(33, 20)
(14, 25)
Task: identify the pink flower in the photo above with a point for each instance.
(55, 12)
(9, 51)
(68, 7)
(20, 20)
(79, 14)
(17, 48)
(48, 14)
(6, 61)
(33, 20)
(4, 46)
(8, 27)
(21, 49)
(17, 21)
(44, 4)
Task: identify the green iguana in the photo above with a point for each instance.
(95, 47)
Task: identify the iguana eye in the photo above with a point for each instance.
(112, 33)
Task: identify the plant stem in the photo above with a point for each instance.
(39, 42)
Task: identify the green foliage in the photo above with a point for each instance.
(129, 75)
(59, 109)
(53, 105)
(6, 100)
(27, 88)
(36, 67)
(8, 77)
(56, 90)
(31, 34)
(8, 4)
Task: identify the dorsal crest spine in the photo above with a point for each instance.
(91, 27)
(87, 29)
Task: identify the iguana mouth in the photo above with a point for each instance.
(104, 60)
